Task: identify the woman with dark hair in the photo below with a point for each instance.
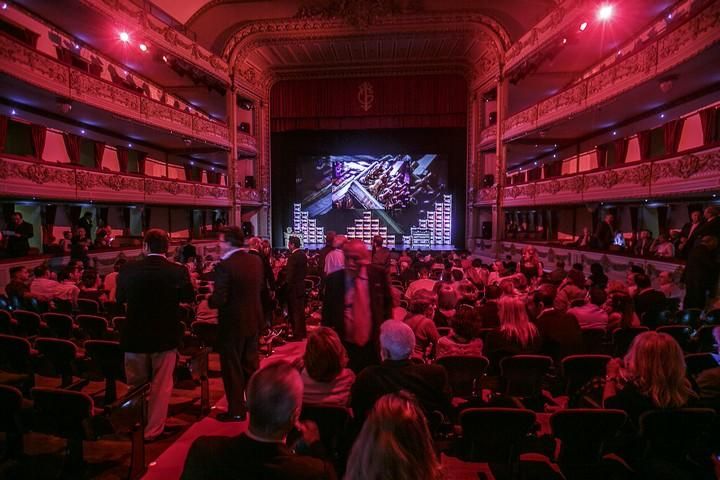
(597, 277)
(326, 379)
(394, 444)
(621, 309)
(463, 338)
(446, 301)
(530, 265)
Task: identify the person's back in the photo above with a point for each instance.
(561, 335)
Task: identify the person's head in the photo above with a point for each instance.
(424, 272)
(446, 297)
(598, 296)
(529, 253)
(330, 238)
(19, 274)
(397, 340)
(80, 232)
(70, 274)
(630, 278)
(519, 282)
(644, 234)
(696, 216)
(665, 278)
(357, 256)
(339, 241)
(254, 243)
(87, 215)
(597, 269)
(492, 292)
(41, 271)
(576, 278)
(465, 323)
(17, 218)
(377, 241)
(396, 296)
(586, 231)
(656, 364)
(156, 241)
(456, 275)
(642, 281)
(89, 279)
(545, 295)
(325, 357)
(274, 400)
(67, 235)
(711, 212)
(467, 292)
(498, 266)
(609, 218)
(662, 238)
(560, 265)
(476, 263)
(514, 321)
(394, 442)
(423, 303)
(231, 238)
(579, 267)
(293, 243)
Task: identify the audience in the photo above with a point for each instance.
(559, 331)
(463, 338)
(422, 283)
(571, 289)
(110, 281)
(419, 319)
(18, 289)
(558, 275)
(621, 311)
(516, 334)
(488, 311)
(394, 443)
(45, 289)
(445, 307)
(592, 314)
(597, 278)
(648, 301)
(326, 378)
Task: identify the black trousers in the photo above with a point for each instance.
(296, 314)
(361, 357)
(238, 361)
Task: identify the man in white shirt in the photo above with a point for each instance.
(592, 315)
(335, 259)
(423, 283)
(43, 288)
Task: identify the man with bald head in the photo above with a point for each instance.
(357, 301)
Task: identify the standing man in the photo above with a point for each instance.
(688, 233)
(153, 289)
(701, 272)
(329, 247)
(86, 223)
(296, 271)
(239, 280)
(380, 254)
(357, 301)
(605, 232)
(17, 235)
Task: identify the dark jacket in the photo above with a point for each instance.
(333, 309)
(18, 245)
(221, 458)
(603, 236)
(381, 257)
(711, 227)
(296, 272)
(153, 289)
(650, 302)
(238, 283)
(560, 332)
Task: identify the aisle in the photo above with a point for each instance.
(169, 465)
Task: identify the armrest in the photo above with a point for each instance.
(79, 385)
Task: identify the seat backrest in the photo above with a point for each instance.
(28, 323)
(577, 370)
(88, 306)
(681, 333)
(464, 373)
(207, 331)
(93, 326)
(119, 323)
(108, 356)
(494, 434)
(713, 317)
(59, 358)
(15, 354)
(583, 433)
(63, 306)
(6, 326)
(113, 309)
(61, 412)
(672, 433)
(60, 324)
(623, 338)
(593, 340)
(705, 339)
(690, 317)
(10, 406)
(696, 363)
(523, 374)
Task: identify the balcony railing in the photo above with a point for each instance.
(246, 144)
(695, 171)
(34, 67)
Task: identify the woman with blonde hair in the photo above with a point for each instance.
(516, 335)
(530, 265)
(325, 375)
(652, 375)
(394, 444)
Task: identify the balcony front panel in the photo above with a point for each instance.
(246, 144)
(696, 172)
(28, 179)
(487, 137)
(559, 190)
(486, 197)
(631, 181)
(109, 186)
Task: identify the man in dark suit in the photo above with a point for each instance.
(701, 272)
(605, 232)
(268, 285)
(274, 401)
(296, 272)
(239, 280)
(711, 226)
(428, 383)
(648, 301)
(329, 241)
(153, 289)
(560, 331)
(689, 233)
(357, 301)
(17, 235)
(643, 244)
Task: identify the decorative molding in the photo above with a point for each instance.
(360, 13)
(246, 143)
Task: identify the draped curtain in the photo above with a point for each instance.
(38, 133)
(3, 131)
(72, 145)
(644, 139)
(122, 155)
(621, 147)
(708, 119)
(141, 162)
(601, 152)
(49, 212)
(99, 152)
(672, 131)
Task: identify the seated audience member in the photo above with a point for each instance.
(630, 279)
(648, 301)
(335, 258)
(17, 290)
(668, 287)
(571, 289)
(663, 247)
(467, 293)
(643, 244)
(445, 307)
(560, 333)
(394, 443)
(477, 274)
(422, 283)
(398, 312)
(90, 286)
(584, 239)
(488, 311)
(419, 319)
(498, 272)
(428, 383)
(708, 381)
(325, 375)
(558, 275)
(516, 334)
(597, 277)
(66, 242)
(204, 312)
(463, 338)
(43, 288)
(592, 314)
(618, 243)
(274, 399)
(80, 246)
(652, 375)
(520, 283)
(110, 281)
(621, 311)
(406, 274)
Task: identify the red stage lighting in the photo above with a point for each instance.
(605, 12)
(124, 37)
(143, 47)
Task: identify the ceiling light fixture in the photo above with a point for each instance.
(13, 112)
(124, 37)
(583, 26)
(143, 47)
(82, 132)
(605, 12)
(4, 5)
(129, 145)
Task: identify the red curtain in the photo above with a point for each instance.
(378, 102)
(644, 141)
(672, 131)
(72, 145)
(99, 151)
(708, 119)
(3, 132)
(621, 147)
(141, 162)
(38, 133)
(122, 155)
(601, 152)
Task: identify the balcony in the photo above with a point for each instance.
(30, 179)
(246, 144)
(34, 67)
(694, 171)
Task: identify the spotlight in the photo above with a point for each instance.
(82, 132)
(554, 155)
(77, 46)
(564, 41)
(605, 12)
(143, 47)
(13, 112)
(614, 133)
(669, 16)
(662, 115)
(583, 26)
(124, 37)
(165, 58)
(212, 168)
(534, 163)
(192, 163)
(129, 145)
(4, 6)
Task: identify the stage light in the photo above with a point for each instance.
(554, 155)
(192, 163)
(124, 37)
(12, 112)
(564, 41)
(662, 115)
(212, 168)
(143, 47)
(605, 12)
(669, 16)
(535, 163)
(583, 26)
(4, 5)
(614, 133)
(77, 46)
(165, 58)
(129, 145)
(82, 132)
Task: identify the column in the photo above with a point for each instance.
(471, 172)
(501, 161)
(235, 207)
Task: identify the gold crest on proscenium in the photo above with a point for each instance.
(366, 96)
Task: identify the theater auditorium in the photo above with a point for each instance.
(360, 239)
